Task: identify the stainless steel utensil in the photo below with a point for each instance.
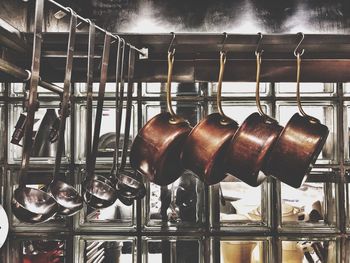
(99, 191)
(68, 198)
(129, 185)
(29, 204)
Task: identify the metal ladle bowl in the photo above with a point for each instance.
(68, 198)
(33, 205)
(129, 188)
(99, 191)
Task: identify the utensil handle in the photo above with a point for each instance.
(64, 111)
(101, 93)
(257, 90)
(131, 67)
(118, 106)
(33, 97)
(89, 81)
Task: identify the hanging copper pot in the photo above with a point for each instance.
(252, 142)
(299, 144)
(155, 152)
(205, 146)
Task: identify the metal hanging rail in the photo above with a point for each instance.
(24, 75)
(117, 37)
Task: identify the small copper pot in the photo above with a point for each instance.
(252, 142)
(155, 152)
(296, 149)
(298, 146)
(205, 147)
(249, 147)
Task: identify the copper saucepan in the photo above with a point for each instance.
(298, 146)
(155, 152)
(205, 146)
(246, 154)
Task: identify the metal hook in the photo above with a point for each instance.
(171, 46)
(296, 51)
(224, 42)
(71, 11)
(258, 46)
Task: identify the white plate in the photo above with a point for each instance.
(4, 226)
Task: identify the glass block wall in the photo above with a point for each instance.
(186, 221)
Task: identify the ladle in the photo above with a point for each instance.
(29, 204)
(68, 198)
(129, 185)
(205, 147)
(300, 142)
(99, 191)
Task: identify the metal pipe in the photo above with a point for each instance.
(25, 75)
(65, 9)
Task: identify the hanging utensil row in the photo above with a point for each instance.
(34, 205)
(217, 147)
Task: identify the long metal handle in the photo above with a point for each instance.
(65, 104)
(257, 89)
(101, 93)
(131, 66)
(300, 108)
(224, 119)
(89, 98)
(118, 106)
(33, 97)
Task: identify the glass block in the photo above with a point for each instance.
(171, 249)
(2, 88)
(347, 199)
(39, 249)
(346, 131)
(346, 89)
(240, 249)
(107, 133)
(2, 132)
(326, 113)
(104, 249)
(44, 151)
(238, 206)
(313, 205)
(19, 90)
(238, 110)
(36, 179)
(118, 216)
(80, 89)
(240, 89)
(178, 89)
(305, 250)
(180, 204)
(306, 89)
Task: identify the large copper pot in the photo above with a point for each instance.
(251, 144)
(155, 152)
(298, 146)
(205, 147)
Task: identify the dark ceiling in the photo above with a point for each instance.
(248, 16)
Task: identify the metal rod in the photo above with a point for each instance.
(65, 9)
(25, 75)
